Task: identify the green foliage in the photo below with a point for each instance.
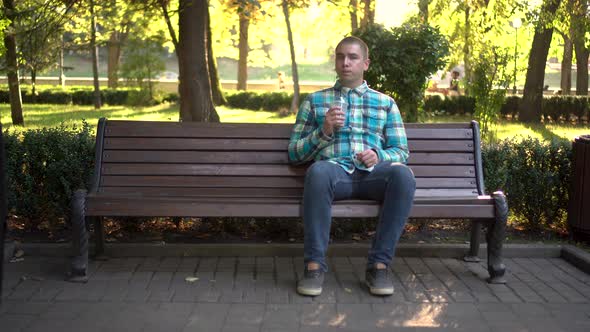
(143, 61)
(460, 105)
(268, 101)
(489, 83)
(402, 59)
(535, 176)
(44, 167)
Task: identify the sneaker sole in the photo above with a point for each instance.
(379, 291)
(309, 292)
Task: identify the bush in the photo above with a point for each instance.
(535, 176)
(44, 167)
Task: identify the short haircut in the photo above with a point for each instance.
(357, 41)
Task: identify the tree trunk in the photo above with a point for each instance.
(467, 48)
(243, 48)
(295, 101)
(16, 103)
(582, 52)
(566, 66)
(62, 76)
(33, 85)
(354, 21)
(368, 13)
(114, 49)
(423, 8)
(196, 100)
(164, 6)
(218, 97)
(94, 51)
(530, 108)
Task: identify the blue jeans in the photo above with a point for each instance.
(392, 184)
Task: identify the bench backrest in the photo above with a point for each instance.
(250, 160)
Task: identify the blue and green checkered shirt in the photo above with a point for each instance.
(373, 121)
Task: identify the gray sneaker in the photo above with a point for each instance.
(379, 281)
(311, 283)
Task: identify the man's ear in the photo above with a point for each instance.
(367, 63)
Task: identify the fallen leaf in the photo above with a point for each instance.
(348, 290)
(191, 279)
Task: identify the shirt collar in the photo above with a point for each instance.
(360, 90)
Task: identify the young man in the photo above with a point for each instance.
(357, 139)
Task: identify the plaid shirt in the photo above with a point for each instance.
(373, 121)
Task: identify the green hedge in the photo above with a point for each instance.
(84, 95)
(553, 109)
(535, 177)
(45, 166)
(268, 101)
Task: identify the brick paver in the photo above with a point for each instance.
(258, 294)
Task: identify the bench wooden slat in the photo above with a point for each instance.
(258, 192)
(195, 157)
(240, 130)
(256, 157)
(229, 144)
(116, 206)
(202, 169)
(248, 169)
(254, 181)
(202, 189)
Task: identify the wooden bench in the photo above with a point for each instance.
(166, 169)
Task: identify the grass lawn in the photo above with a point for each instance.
(39, 116)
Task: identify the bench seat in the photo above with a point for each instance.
(173, 169)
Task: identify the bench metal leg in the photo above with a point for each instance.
(472, 256)
(99, 234)
(495, 239)
(79, 266)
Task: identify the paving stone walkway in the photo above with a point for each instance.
(258, 294)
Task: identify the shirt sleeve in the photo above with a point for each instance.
(395, 148)
(307, 137)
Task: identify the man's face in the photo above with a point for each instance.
(350, 64)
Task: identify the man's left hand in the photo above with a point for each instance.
(368, 157)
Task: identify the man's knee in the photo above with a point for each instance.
(399, 172)
(320, 172)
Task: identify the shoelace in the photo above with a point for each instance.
(381, 273)
(313, 273)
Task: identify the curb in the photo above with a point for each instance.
(290, 249)
(577, 257)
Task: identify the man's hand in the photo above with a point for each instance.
(368, 157)
(333, 120)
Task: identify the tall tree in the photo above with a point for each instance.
(353, 8)
(218, 97)
(423, 9)
(94, 52)
(16, 103)
(196, 100)
(530, 108)
(563, 25)
(243, 50)
(294, 72)
(368, 13)
(580, 25)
